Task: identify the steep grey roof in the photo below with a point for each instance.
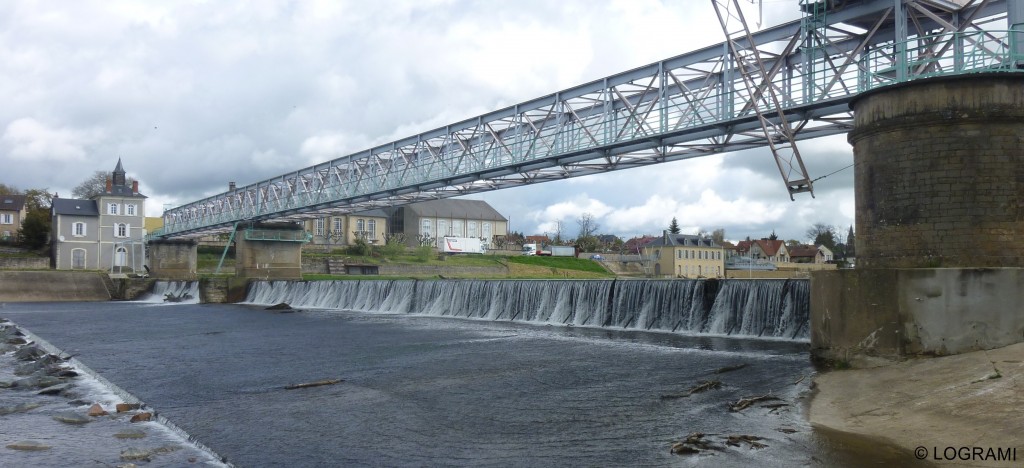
(124, 191)
(453, 208)
(71, 206)
(371, 214)
(12, 202)
(682, 240)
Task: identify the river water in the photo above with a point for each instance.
(422, 390)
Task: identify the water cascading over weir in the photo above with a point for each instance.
(758, 308)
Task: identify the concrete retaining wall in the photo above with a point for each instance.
(52, 286)
(433, 270)
(894, 314)
(24, 263)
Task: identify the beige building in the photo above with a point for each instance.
(432, 220)
(774, 251)
(345, 229)
(12, 214)
(685, 256)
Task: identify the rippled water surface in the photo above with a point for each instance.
(428, 391)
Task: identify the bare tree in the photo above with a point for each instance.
(823, 234)
(94, 185)
(718, 235)
(558, 232)
(588, 226)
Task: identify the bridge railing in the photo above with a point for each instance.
(947, 54)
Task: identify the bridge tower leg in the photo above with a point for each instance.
(269, 251)
(939, 188)
(172, 259)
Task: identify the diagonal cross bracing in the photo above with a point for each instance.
(697, 104)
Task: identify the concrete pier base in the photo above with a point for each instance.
(892, 314)
(173, 259)
(269, 251)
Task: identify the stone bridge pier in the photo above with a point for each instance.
(940, 224)
(269, 251)
(172, 259)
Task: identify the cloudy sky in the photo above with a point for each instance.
(193, 94)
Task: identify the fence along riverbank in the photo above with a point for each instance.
(762, 308)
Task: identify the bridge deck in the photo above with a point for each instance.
(692, 105)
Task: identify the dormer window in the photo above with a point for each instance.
(112, 209)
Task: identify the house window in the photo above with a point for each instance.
(457, 228)
(338, 225)
(78, 229)
(112, 209)
(360, 225)
(486, 231)
(442, 228)
(78, 259)
(120, 230)
(129, 210)
(371, 225)
(471, 226)
(6, 218)
(425, 228)
(318, 228)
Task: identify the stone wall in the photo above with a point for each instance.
(24, 263)
(940, 173)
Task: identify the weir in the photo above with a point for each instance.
(757, 308)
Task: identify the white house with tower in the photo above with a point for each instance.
(103, 233)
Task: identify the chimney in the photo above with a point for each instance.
(135, 186)
(665, 232)
(109, 185)
(231, 186)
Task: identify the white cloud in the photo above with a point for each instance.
(195, 94)
(31, 140)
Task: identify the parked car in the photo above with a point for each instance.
(597, 257)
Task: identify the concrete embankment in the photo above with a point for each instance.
(50, 286)
(961, 410)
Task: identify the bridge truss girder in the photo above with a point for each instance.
(688, 106)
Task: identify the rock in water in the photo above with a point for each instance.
(22, 408)
(28, 445)
(70, 417)
(134, 454)
(124, 407)
(142, 417)
(96, 410)
(281, 306)
(55, 389)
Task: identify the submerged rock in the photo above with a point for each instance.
(55, 389)
(29, 353)
(281, 306)
(70, 417)
(28, 445)
(134, 454)
(130, 434)
(22, 408)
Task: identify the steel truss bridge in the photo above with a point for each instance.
(769, 88)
